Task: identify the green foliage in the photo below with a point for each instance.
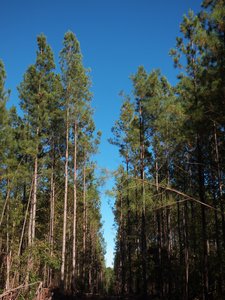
(109, 283)
(182, 132)
(39, 136)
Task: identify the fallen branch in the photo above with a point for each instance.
(187, 197)
(170, 204)
(18, 288)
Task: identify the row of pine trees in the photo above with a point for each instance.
(169, 191)
(50, 222)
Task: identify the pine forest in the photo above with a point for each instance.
(169, 193)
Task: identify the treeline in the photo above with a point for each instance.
(170, 194)
(50, 226)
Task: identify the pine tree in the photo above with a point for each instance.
(35, 149)
(37, 94)
(79, 122)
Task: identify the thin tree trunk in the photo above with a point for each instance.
(193, 214)
(128, 233)
(84, 223)
(216, 202)
(52, 217)
(5, 206)
(87, 266)
(74, 208)
(143, 217)
(159, 232)
(34, 202)
(122, 256)
(204, 229)
(25, 220)
(8, 266)
(8, 252)
(30, 224)
(186, 252)
(91, 250)
(52, 213)
(179, 231)
(137, 243)
(217, 160)
(65, 202)
(30, 241)
(5, 210)
(169, 248)
(16, 274)
(218, 246)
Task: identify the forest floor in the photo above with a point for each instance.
(58, 296)
(93, 297)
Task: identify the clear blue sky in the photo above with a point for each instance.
(116, 36)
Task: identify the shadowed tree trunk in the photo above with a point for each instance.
(201, 185)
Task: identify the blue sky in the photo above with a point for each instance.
(116, 36)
